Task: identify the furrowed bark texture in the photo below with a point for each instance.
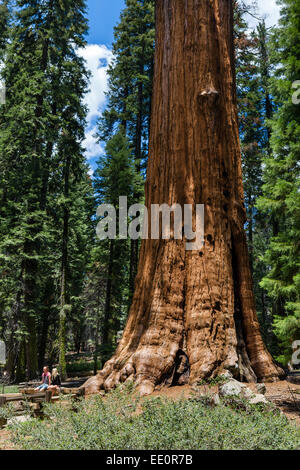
(193, 314)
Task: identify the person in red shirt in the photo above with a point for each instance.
(46, 379)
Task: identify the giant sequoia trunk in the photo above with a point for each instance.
(193, 314)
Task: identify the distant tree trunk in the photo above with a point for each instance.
(134, 254)
(13, 346)
(45, 321)
(107, 308)
(43, 338)
(134, 244)
(64, 273)
(250, 232)
(124, 120)
(265, 75)
(96, 352)
(30, 265)
(21, 364)
(193, 314)
(32, 243)
(46, 306)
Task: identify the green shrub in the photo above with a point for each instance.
(82, 366)
(121, 421)
(9, 389)
(6, 411)
(211, 382)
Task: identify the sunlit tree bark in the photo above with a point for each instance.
(193, 314)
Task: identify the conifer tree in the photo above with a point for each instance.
(4, 25)
(251, 121)
(265, 70)
(22, 137)
(42, 128)
(281, 197)
(130, 90)
(254, 106)
(115, 176)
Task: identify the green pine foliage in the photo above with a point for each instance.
(45, 195)
(281, 196)
(115, 176)
(254, 106)
(4, 25)
(130, 77)
(124, 127)
(251, 120)
(130, 91)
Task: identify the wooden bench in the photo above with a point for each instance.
(36, 399)
(12, 397)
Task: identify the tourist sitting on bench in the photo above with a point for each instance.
(46, 379)
(55, 382)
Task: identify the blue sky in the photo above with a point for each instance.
(103, 16)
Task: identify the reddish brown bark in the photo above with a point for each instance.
(193, 313)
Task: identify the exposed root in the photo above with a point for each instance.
(178, 374)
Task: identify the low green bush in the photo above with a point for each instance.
(82, 366)
(211, 382)
(121, 421)
(6, 411)
(9, 389)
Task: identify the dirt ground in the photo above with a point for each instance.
(284, 395)
(5, 442)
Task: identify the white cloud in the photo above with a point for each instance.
(271, 10)
(267, 9)
(90, 143)
(98, 58)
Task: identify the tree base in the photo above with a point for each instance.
(113, 375)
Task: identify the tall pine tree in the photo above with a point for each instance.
(42, 169)
(281, 197)
(254, 106)
(115, 176)
(130, 90)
